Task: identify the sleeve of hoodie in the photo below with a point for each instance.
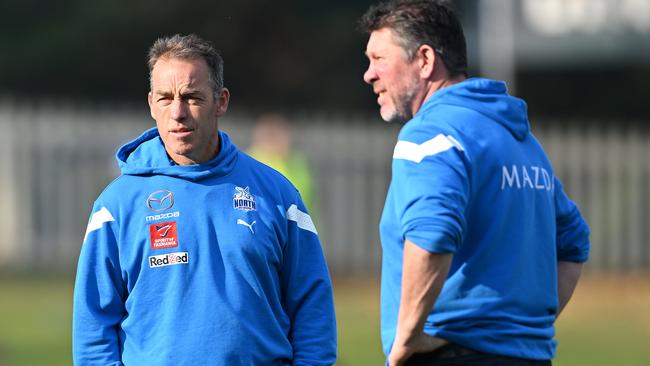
(431, 188)
(572, 230)
(307, 291)
(98, 304)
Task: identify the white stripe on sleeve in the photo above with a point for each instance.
(301, 218)
(407, 150)
(97, 220)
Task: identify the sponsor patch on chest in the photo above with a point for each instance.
(168, 259)
(163, 235)
(243, 199)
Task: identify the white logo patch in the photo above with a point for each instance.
(243, 199)
(167, 215)
(250, 226)
(168, 259)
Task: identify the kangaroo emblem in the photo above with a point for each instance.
(250, 226)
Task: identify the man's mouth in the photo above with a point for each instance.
(181, 131)
(380, 95)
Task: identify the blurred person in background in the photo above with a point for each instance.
(272, 145)
(482, 249)
(198, 254)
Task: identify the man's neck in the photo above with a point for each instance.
(435, 85)
(190, 159)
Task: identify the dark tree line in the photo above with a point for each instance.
(285, 54)
(277, 53)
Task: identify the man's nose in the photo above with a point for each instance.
(370, 75)
(178, 110)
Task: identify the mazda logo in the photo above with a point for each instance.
(160, 200)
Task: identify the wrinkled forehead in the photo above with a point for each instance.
(382, 41)
(180, 72)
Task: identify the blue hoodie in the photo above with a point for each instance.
(210, 264)
(469, 178)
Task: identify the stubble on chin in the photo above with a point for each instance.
(402, 108)
(396, 116)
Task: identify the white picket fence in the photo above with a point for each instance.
(55, 160)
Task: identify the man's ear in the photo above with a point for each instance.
(150, 102)
(223, 99)
(426, 57)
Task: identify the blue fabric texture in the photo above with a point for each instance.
(469, 178)
(210, 264)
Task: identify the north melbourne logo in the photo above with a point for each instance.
(168, 259)
(243, 199)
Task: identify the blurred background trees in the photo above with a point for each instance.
(565, 57)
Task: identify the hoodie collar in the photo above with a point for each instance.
(489, 97)
(146, 155)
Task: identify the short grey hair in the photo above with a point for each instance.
(185, 48)
(422, 22)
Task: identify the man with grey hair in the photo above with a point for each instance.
(481, 246)
(198, 254)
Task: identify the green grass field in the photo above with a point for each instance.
(607, 323)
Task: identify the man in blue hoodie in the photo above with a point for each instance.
(198, 254)
(481, 246)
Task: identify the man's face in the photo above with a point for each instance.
(392, 76)
(186, 112)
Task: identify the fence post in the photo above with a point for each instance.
(8, 197)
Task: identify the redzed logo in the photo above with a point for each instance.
(169, 259)
(163, 235)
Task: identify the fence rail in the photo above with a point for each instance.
(55, 161)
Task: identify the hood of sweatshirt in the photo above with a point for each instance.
(146, 155)
(490, 98)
